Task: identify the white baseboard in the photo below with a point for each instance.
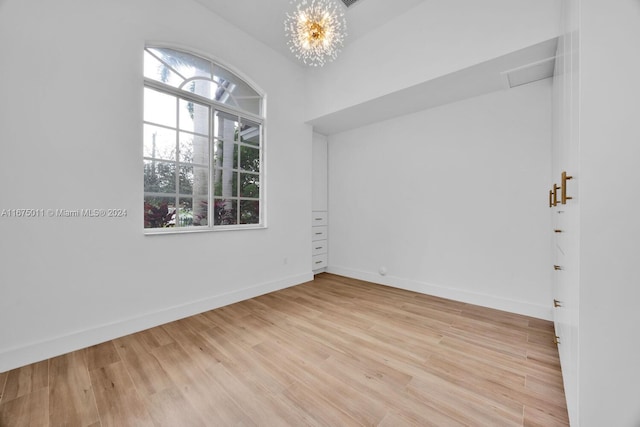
(42, 350)
(491, 301)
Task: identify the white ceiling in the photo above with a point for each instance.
(264, 19)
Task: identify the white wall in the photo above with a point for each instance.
(70, 136)
(431, 40)
(609, 372)
(452, 201)
(319, 173)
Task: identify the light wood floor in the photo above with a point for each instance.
(332, 352)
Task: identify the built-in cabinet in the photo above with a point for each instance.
(564, 200)
(565, 270)
(320, 213)
(596, 134)
(319, 234)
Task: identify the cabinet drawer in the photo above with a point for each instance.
(319, 233)
(319, 261)
(319, 247)
(318, 218)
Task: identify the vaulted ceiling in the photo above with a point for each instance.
(264, 19)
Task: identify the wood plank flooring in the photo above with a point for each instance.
(332, 352)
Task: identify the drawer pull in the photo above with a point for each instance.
(318, 219)
(557, 231)
(557, 267)
(557, 303)
(318, 247)
(564, 196)
(553, 196)
(319, 233)
(318, 262)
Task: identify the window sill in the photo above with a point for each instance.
(171, 230)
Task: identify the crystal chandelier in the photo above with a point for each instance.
(315, 30)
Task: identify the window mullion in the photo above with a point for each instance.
(210, 198)
(177, 160)
(239, 174)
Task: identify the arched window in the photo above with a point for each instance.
(203, 145)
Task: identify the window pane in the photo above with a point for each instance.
(159, 143)
(225, 212)
(194, 149)
(249, 212)
(185, 212)
(159, 177)
(200, 211)
(250, 132)
(225, 183)
(225, 126)
(200, 181)
(251, 105)
(186, 64)
(225, 155)
(249, 159)
(218, 154)
(233, 84)
(159, 108)
(186, 180)
(156, 70)
(205, 88)
(194, 180)
(249, 185)
(194, 117)
(159, 212)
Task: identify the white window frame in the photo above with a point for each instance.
(214, 106)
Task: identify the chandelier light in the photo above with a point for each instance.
(315, 30)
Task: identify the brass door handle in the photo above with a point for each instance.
(557, 267)
(563, 187)
(557, 303)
